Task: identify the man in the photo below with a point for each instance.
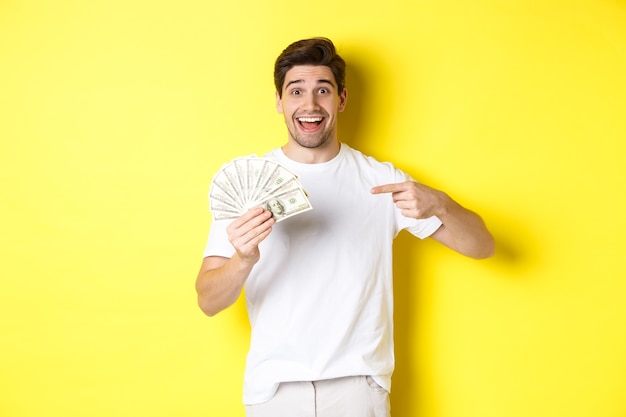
(319, 285)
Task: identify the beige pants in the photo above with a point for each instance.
(358, 396)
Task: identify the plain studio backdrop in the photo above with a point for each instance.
(114, 115)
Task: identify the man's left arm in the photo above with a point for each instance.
(462, 230)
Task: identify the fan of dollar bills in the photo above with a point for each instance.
(250, 181)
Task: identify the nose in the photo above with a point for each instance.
(310, 103)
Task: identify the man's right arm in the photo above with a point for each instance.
(220, 279)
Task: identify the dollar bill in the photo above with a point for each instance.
(257, 170)
(250, 181)
(288, 203)
(222, 190)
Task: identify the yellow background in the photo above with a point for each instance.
(115, 114)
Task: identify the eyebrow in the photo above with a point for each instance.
(320, 81)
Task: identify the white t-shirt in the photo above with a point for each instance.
(320, 299)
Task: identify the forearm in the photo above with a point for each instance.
(220, 279)
(220, 282)
(463, 230)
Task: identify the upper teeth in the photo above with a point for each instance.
(310, 119)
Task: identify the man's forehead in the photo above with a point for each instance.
(309, 73)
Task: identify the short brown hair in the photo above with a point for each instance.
(314, 51)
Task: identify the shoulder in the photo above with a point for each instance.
(371, 165)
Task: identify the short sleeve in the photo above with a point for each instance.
(421, 228)
(218, 244)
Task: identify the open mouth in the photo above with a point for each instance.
(310, 124)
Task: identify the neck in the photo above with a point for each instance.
(317, 155)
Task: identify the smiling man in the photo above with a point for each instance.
(319, 285)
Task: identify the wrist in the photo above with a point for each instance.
(444, 205)
(244, 263)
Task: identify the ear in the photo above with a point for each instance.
(343, 99)
(279, 104)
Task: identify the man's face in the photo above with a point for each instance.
(310, 103)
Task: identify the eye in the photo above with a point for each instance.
(296, 92)
(323, 90)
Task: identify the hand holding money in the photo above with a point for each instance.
(249, 182)
(248, 231)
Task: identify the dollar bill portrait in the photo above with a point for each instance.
(276, 207)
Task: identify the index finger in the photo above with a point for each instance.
(388, 188)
